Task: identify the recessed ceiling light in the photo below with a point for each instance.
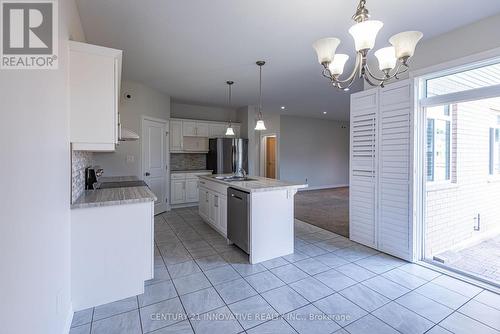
(346, 89)
(283, 107)
(324, 112)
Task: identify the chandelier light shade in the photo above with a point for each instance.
(405, 43)
(392, 60)
(325, 48)
(365, 34)
(260, 126)
(386, 58)
(229, 130)
(336, 67)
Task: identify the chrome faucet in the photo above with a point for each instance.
(240, 172)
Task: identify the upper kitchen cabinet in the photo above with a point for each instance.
(194, 129)
(176, 134)
(95, 74)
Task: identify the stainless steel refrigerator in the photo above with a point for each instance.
(227, 155)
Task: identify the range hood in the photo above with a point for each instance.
(127, 135)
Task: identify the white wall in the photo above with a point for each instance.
(35, 196)
(144, 101)
(314, 149)
(193, 111)
(465, 41)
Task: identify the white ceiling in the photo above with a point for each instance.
(189, 48)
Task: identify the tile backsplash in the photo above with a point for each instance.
(79, 161)
(188, 161)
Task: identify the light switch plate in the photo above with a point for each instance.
(130, 158)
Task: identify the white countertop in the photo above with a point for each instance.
(191, 171)
(258, 184)
(114, 196)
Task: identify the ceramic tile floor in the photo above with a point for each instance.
(329, 285)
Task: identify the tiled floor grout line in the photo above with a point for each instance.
(349, 261)
(177, 292)
(213, 287)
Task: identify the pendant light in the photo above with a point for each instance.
(259, 126)
(230, 130)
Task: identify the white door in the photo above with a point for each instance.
(154, 160)
(362, 189)
(191, 190)
(394, 170)
(176, 135)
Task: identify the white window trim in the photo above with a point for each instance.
(442, 184)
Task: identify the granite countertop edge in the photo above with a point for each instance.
(254, 186)
(114, 196)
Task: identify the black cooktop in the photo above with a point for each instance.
(122, 184)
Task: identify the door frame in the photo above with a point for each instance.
(263, 154)
(166, 124)
(419, 184)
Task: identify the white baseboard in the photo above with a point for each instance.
(69, 320)
(324, 187)
(183, 205)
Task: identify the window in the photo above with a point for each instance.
(479, 77)
(494, 151)
(438, 143)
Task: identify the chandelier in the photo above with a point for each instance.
(392, 60)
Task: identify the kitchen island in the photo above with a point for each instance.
(268, 220)
(111, 242)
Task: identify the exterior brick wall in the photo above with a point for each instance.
(451, 207)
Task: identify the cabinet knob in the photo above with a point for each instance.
(147, 174)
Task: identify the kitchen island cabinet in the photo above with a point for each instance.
(270, 214)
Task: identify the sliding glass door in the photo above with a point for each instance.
(461, 171)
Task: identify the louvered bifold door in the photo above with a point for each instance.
(394, 170)
(362, 192)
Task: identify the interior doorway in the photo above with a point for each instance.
(269, 156)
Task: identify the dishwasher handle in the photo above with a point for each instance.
(237, 197)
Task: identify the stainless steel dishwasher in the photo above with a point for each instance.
(238, 218)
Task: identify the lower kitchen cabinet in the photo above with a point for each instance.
(184, 188)
(213, 207)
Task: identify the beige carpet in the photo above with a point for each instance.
(328, 209)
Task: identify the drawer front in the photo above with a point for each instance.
(177, 176)
(214, 186)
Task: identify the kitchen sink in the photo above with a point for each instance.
(234, 178)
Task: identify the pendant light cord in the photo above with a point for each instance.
(260, 89)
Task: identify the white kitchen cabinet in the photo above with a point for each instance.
(176, 135)
(217, 130)
(202, 129)
(213, 205)
(192, 190)
(188, 135)
(380, 210)
(94, 79)
(184, 189)
(189, 128)
(222, 223)
(178, 191)
(203, 203)
(107, 265)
